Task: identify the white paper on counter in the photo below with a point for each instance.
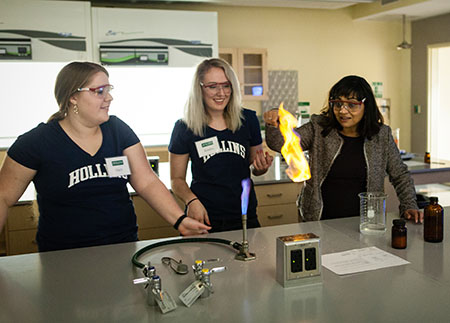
(359, 260)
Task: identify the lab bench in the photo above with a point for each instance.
(96, 284)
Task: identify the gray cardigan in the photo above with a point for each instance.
(381, 154)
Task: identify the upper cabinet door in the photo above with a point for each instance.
(251, 67)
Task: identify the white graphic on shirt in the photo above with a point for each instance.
(88, 172)
(228, 147)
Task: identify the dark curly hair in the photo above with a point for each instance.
(357, 87)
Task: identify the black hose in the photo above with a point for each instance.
(138, 253)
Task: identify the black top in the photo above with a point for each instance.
(347, 178)
(79, 204)
(216, 178)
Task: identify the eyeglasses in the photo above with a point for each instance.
(100, 91)
(350, 106)
(214, 88)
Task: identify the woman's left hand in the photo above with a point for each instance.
(189, 227)
(261, 163)
(413, 215)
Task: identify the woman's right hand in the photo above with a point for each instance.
(271, 117)
(197, 211)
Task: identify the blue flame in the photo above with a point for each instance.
(246, 184)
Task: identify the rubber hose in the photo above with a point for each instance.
(138, 253)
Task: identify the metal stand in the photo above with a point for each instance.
(244, 254)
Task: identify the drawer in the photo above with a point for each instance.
(22, 241)
(277, 214)
(22, 217)
(156, 233)
(277, 193)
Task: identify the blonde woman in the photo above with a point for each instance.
(223, 140)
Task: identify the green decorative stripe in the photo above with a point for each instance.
(119, 59)
(17, 54)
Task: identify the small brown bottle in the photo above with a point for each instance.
(433, 227)
(399, 234)
(426, 158)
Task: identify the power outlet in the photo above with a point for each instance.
(310, 259)
(298, 260)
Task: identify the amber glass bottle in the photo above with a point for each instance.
(398, 234)
(433, 227)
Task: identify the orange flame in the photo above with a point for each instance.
(298, 170)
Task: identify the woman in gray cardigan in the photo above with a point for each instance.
(350, 151)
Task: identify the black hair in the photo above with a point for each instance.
(353, 86)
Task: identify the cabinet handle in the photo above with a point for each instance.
(274, 195)
(276, 216)
(33, 241)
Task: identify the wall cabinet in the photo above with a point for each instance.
(277, 203)
(251, 67)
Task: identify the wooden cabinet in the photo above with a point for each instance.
(21, 228)
(277, 203)
(251, 67)
(2, 243)
(151, 224)
(19, 236)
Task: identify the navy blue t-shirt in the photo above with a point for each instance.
(216, 179)
(79, 204)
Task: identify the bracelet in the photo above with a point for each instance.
(177, 224)
(195, 198)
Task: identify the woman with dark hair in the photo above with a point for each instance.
(82, 196)
(350, 151)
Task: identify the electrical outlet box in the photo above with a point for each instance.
(298, 260)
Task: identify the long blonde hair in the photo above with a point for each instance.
(72, 77)
(195, 115)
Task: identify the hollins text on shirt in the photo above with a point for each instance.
(227, 146)
(89, 172)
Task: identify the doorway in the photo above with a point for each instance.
(438, 101)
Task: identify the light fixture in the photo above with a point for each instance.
(404, 44)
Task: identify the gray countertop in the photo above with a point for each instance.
(95, 284)
(416, 165)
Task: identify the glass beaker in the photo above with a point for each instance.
(372, 212)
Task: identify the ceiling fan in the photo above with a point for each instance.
(404, 44)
